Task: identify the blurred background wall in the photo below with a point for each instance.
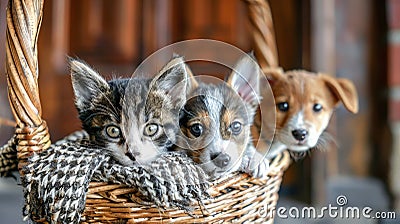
(356, 39)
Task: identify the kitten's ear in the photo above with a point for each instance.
(86, 83)
(245, 80)
(173, 80)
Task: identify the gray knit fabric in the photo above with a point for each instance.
(8, 158)
(56, 180)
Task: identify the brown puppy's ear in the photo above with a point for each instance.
(273, 74)
(344, 90)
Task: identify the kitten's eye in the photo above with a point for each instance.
(196, 129)
(284, 106)
(317, 107)
(113, 131)
(236, 127)
(150, 130)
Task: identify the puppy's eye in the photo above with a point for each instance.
(317, 107)
(196, 129)
(150, 130)
(284, 106)
(236, 127)
(113, 131)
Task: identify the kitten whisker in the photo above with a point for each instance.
(124, 103)
(113, 109)
(101, 110)
(95, 114)
(188, 112)
(107, 109)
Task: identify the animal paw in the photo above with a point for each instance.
(258, 166)
(255, 163)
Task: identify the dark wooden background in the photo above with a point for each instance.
(115, 36)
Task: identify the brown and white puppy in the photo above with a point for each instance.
(216, 121)
(305, 102)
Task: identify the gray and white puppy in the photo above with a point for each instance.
(135, 119)
(216, 121)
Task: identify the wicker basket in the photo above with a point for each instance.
(236, 198)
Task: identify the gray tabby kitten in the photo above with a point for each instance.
(216, 122)
(134, 119)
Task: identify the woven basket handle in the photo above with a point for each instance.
(24, 18)
(265, 49)
(263, 34)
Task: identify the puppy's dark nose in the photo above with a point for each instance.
(300, 134)
(221, 160)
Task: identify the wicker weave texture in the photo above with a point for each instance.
(23, 24)
(262, 33)
(235, 198)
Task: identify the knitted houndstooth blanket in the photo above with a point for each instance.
(56, 180)
(8, 158)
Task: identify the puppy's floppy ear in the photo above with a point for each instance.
(245, 80)
(173, 80)
(273, 74)
(86, 83)
(344, 90)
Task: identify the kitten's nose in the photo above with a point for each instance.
(300, 134)
(222, 160)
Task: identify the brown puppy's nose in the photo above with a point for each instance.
(221, 160)
(300, 134)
